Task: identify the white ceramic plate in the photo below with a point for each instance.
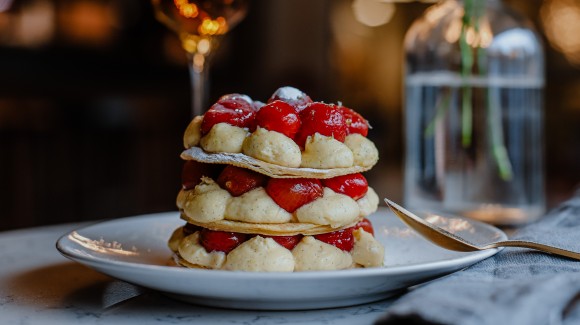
(134, 250)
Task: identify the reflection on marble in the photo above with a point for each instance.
(39, 286)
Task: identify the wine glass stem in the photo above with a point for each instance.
(199, 73)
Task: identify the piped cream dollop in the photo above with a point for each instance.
(263, 254)
(256, 206)
(326, 152)
(273, 147)
(176, 238)
(313, 255)
(368, 203)
(260, 254)
(223, 137)
(182, 197)
(332, 209)
(206, 202)
(193, 133)
(190, 250)
(364, 151)
(367, 251)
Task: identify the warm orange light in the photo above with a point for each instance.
(373, 13)
(189, 43)
(88, 22)
(204, 46)
(481, 38)
(186, 9)
(561, 20)
(213, 27)
(196, 44)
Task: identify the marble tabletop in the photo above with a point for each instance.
(40, 286)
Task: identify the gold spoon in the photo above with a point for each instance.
(445, 239)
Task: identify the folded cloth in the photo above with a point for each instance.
(515, 286)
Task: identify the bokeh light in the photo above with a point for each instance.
(561, 22)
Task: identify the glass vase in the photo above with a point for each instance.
(474, 84)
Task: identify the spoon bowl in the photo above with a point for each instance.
(448, 240)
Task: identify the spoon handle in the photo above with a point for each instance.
(536, 246)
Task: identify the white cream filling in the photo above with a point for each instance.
(273, 147)
(260, 254)
(364, 151)
(332, 209)
(369, 203)
(326, 152)
(193, 133)
(181, 198)
(176, 238)
(313, 255)
(256, 206)
(208, 202)
(191, 251)
(276, 148)
(223, 137)
(367, 251)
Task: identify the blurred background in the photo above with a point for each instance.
(95, 94)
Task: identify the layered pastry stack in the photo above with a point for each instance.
(277, 187)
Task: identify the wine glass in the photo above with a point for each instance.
(200, 24)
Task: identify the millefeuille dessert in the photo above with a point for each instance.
(277, 187)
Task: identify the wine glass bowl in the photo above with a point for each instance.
(200, 25)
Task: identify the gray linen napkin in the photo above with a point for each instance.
(516, 286)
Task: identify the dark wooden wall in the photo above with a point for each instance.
(93, 131)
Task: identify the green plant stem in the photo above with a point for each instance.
(473, 11)
(440, 109)
(466, 116)
(495, 132)
(466, 68)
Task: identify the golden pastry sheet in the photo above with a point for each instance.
(270, 229)
(268, 169)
